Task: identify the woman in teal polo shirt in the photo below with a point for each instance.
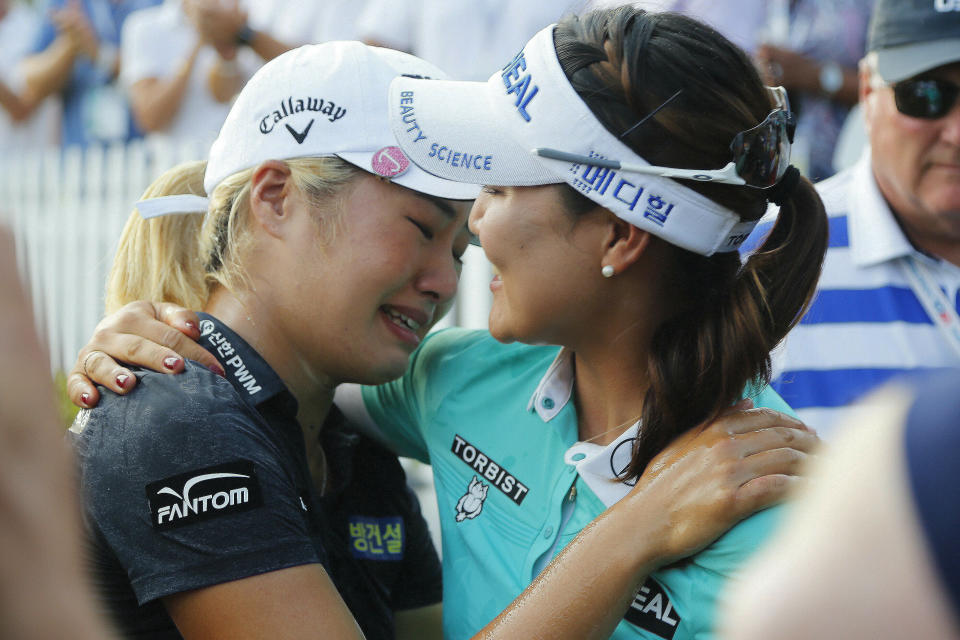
(612, 242)
(614, 235)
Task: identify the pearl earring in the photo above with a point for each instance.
(607, 271)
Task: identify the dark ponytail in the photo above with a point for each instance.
(624, 63)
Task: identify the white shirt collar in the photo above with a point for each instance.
(874, 234)
(598, 465)
(555, 388)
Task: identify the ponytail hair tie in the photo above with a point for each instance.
(780, 192)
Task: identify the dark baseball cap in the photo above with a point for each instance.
(913, 36)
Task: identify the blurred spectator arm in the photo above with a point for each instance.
(225, 27)
(797, 72)
(155, 101)
(43, 590)
(47, 72)
(388, 23)
(225, 80)
(18, 107)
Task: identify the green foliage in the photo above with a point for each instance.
(67, 410)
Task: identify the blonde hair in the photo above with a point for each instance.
(226, 230)
(156, 259)
(181, 258)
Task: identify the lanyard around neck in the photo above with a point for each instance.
(934, 301)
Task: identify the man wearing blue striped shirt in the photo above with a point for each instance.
(888, 297)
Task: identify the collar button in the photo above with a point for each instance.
(547, 403)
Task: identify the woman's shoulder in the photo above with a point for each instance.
(162, 414)
(449, 345)
(765, 396)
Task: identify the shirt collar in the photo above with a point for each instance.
(875, 235)
(599, 466)
(555, 388)
(250, 375)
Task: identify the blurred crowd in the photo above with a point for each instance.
(81, 72)
(870, 546)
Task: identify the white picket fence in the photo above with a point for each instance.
(67, 207)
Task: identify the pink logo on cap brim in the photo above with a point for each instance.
(389, 162)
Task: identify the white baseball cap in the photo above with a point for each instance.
(497, 133)
(909, 37)
(320, 100)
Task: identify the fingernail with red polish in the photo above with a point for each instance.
(190, 324)
(217, 369)
(170, 362)
(85, 398)
(122, 380)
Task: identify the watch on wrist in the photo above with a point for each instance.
(831, 78)
(245, 35)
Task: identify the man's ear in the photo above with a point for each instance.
(269, 187)
(624, 244)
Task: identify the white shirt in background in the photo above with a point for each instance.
(18, 32)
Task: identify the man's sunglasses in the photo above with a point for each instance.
(926, 98)
(761, 155)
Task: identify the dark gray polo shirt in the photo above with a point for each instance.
(194, 480)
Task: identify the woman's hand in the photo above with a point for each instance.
(154, 335)
(701, 485)
(710, 478)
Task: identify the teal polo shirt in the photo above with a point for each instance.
(495, 422)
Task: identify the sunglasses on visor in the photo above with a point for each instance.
(926, 98)
(761, 155)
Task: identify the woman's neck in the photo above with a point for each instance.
(612, 358)
(609, 388)
(254, 323)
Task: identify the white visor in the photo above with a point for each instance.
(485, 133)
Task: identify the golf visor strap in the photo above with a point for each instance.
(171, 205)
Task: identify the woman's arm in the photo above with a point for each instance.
(299, 602)
(700, 486)
(155, 101)
(703, 484)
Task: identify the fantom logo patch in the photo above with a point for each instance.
(202, 494)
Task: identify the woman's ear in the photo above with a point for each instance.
(624, 244)
(269, 187)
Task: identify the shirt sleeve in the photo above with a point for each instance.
(142, 48)
(708, 576)
(767, 397)
(389, 22)
(401, 409)
(699, 584)
(47, 32)
(185, 484)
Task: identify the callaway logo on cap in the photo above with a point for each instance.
(324, 100)
(318, 100)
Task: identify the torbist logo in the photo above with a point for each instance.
(203, 494)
